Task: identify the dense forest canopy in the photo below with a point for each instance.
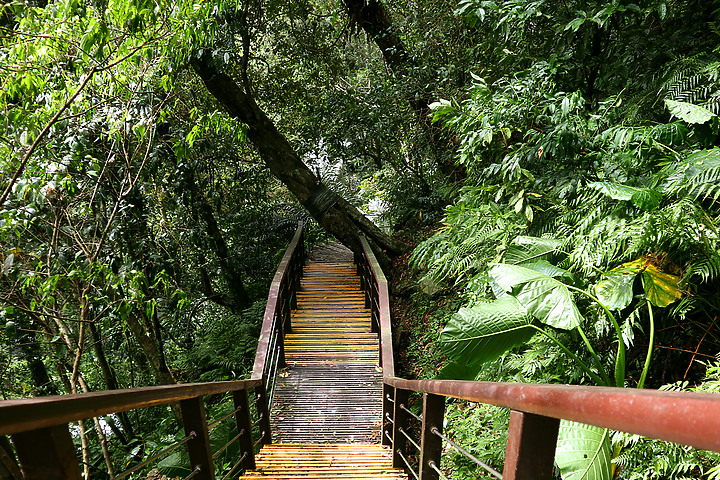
(554, 164)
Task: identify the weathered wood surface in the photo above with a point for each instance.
(325, 462)
(331, 391)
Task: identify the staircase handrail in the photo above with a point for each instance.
(39, 426)
(377, 299)
(282, 295)
(24, 414)
(687, 418)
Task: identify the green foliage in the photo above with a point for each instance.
(481, 430)
(482, 333)
(583, 452)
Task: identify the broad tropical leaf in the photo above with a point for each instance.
(583, 452)
(689, 112)
(482, 333)
(616, 191)
(615, 289)
(544, 297)
(529, 249)
(550, 270)
(459, 371)
(644, 198)
(661, 289)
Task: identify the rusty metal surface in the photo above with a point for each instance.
(33, 413)
(293, 255)
(530, 451)
(331, 390)
(680, 417)
(387, 361)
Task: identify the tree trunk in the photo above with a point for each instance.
(335, 214)
(109, 375)
(151, 350)
(203, 211)
(371, 17)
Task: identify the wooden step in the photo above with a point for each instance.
(331, 391)
(324, 462)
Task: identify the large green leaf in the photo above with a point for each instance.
(482, 333)
(661, 289)
(583, 452)
(615, 289)
(459, 371)
(689, 112)
(529, 249)
(550, 270)
(616, 191)
(544, 297)
(645, 198)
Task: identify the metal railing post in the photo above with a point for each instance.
(388, 394)
(530, 451)
(195, 423)
(400, 419)
(280, 332)
(243, 420)
(431, 444)
(47, 453)
(263, 410)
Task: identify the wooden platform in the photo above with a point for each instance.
(324, 462)
(331, 391)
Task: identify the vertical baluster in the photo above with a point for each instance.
(400, 417)
(194, 423)
(284, 305)
(388, 394)
(47, 453)
(431, 444)
(263, 410)
(243, 420)
(530, 451)
(280, 338)
(294, 281)
(375, 307)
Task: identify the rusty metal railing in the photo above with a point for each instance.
(43, 444)
(536, 409)
(282, 299)
(39, 427)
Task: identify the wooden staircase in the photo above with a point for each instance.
(324, 462)
(327, 403)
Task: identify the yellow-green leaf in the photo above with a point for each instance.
(661, 289)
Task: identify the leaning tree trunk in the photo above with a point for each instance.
(335, 214)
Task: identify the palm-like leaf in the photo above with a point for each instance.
(583, 452)
(482, 333)
(544, 297)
